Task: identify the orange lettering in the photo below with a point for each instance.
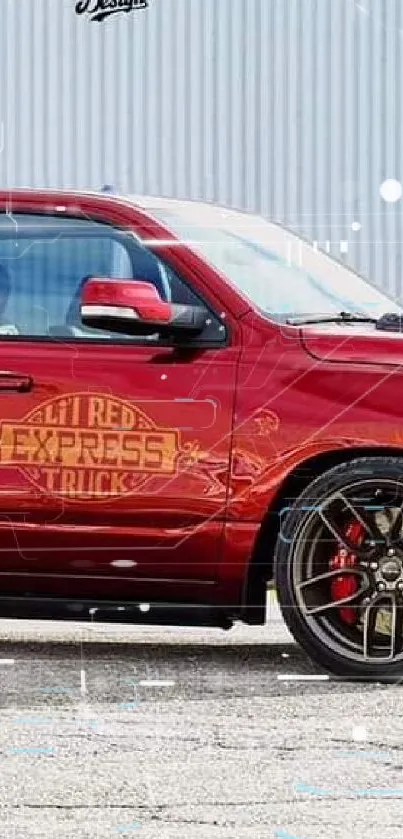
(112, 414)
(88, 442)
(51, 416)
(75, 411)
(21, 447)
(91, 483)
(118, 486)
(50, 475)
(80, 478)
(99, 478)
(154, 452)
(111, 448)
(68, 482)
(127, 418)
(66, 447)
(131, 446)
(96, 412)
(43, 454)
(161, 451)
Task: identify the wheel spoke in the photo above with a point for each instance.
(396, 632)
(369, 524)
(343, 540)
(370, 616)
(337, 533)
(395, 646)
(395, 533)
(370, 527)
(313, 590)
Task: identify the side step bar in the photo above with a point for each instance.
(110, 611)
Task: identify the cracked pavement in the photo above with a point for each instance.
(91, 746)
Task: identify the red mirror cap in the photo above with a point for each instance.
(134, 294)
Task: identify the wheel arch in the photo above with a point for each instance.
(260, 568)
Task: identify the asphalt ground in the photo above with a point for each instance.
(190, 734)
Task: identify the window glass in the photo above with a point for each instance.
(44, 261)
(273, 268)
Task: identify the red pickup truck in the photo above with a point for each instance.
(196, 404)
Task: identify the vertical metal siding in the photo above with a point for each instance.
(292, 108)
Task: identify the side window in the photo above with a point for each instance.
(45, 260)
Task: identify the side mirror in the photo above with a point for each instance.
(134, 307)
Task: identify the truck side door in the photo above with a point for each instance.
(114, 450)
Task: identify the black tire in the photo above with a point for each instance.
(292, 542)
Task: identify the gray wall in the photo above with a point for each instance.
(292, 108)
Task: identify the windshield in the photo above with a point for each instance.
(276, 270)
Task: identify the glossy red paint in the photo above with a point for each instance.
(141, 297)
(228, 425)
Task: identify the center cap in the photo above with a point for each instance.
(391, 570)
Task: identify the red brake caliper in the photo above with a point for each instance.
(346, 584)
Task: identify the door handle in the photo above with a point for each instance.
(15, 382)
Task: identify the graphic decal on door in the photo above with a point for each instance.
(89, 446)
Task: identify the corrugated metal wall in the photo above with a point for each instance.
(292, 108)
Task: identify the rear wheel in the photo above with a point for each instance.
(339, 569)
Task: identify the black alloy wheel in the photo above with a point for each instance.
(339, 569)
